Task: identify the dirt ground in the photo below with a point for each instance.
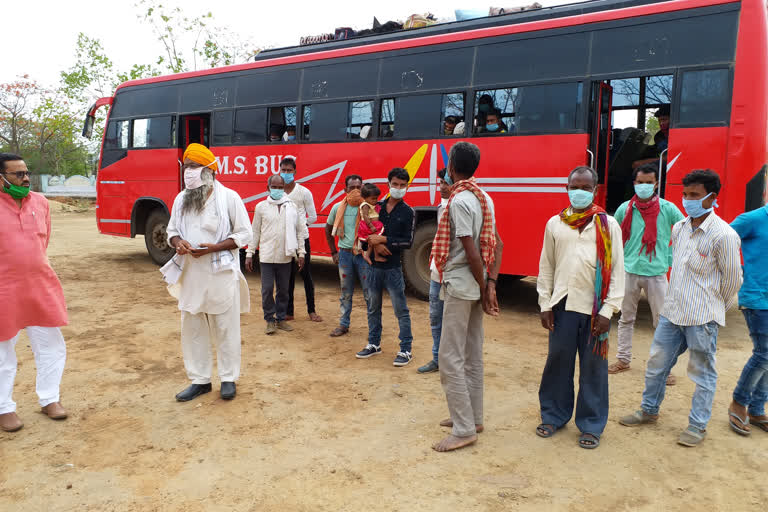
(313, 428)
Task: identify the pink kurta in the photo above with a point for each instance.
(30, 292)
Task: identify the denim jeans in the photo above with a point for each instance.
(351, 267)
(435, 316)
(669, 342)
(572, 336)
(392, 280)
(752, 389)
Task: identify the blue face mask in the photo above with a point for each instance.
(580, 199)
(276, 193)
(287, 177)
(645, 190)
(492, 127)
(291, 137)
(694, 209)
(448, 179)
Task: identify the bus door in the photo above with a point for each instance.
(600, 135)
(194, 129)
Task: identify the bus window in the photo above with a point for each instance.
(117, 135)
(222, 127)
(360, 119)
(502, 105)
(280, 118)
(387, 125)
(547, 108)
(705, 97)
(328, 121)
(307, 118)
(453, 114)
(250, 126)
(418, 116)
(154, 132)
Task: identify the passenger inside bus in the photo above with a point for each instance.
(275, 133)
(449, 125)
(660, 139)
(484, 105)
(290, 133)
(493, 123)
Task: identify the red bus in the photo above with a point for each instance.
(575, 84)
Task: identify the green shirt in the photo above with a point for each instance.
(639, 264)
(350, 216)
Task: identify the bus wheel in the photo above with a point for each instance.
(155, 237)
(416, 260)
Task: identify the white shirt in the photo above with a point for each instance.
(567, 268)
(199, 290)
(706, 272)
(302, 198)
(269, 232)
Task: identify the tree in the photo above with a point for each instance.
(15, 102)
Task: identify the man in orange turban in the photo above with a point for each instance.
(207, 227)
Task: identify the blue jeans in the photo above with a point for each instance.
(752, 389)
(571, 336)
(392, 280)
(351, 267)
(435, 316)
(669, 342)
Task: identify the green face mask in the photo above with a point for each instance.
(15, 191)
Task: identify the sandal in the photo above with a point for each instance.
(691, 436)
(589, 441)
(761, 424)
(545, 430)
(339, 331)
(742, 428)
(618, 367)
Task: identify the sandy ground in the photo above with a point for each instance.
(313, 428)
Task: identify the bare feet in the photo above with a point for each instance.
(618, 367)
(671, 380)
(452, 442)
(315, 317)
(449, 423)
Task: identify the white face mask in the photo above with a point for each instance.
(397, 193)
(193, 177)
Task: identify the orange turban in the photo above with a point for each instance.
(202, 155)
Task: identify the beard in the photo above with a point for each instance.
(195, 198)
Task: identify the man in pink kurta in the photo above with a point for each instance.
(30, 293)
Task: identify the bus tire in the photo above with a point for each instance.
(156, 237)
(416, 260)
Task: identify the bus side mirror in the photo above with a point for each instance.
(88, 127)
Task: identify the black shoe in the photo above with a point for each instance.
(402, 359)
(429, 367)
(228, 390)
(193, 391)
(368, 351)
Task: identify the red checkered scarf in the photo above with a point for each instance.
(442, 242)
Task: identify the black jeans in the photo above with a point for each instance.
(306, 276)
(274, 275)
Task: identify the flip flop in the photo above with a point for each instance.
(761, 424)
(739, 429)
(545, 430)
(589, 441)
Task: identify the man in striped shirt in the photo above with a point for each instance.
(706, 275)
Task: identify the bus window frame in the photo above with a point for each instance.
(348, 137)
(213, 124)
(170, 133)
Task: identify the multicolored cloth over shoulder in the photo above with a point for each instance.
(442, 242)
(603, 265)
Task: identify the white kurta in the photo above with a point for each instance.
(199, 290)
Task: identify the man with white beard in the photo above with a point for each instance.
(208, 225)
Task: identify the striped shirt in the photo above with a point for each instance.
(706, 272)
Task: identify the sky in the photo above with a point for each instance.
(39, 36)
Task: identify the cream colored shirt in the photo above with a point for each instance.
(567, 268)
(305, 202)
(269, 232)
(200, 290)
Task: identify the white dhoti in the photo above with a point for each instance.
(50, 353)
(198, 331)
